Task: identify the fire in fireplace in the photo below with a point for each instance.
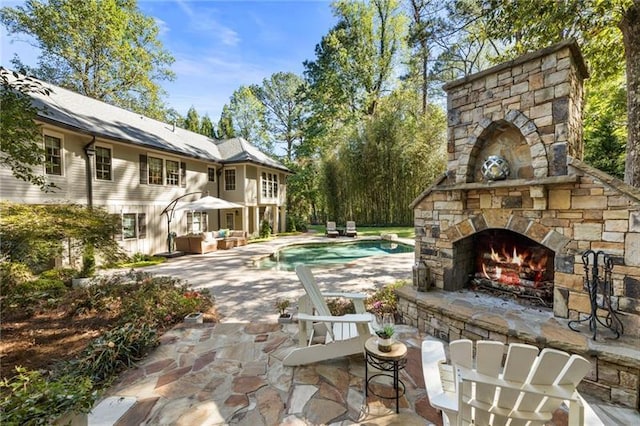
(512, 263)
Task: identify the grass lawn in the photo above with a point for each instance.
(402, 231)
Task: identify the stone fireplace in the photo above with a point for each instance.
(517, 208)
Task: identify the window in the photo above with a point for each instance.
(228, 218)
(103, 163)
(53, 148)
(155, 171)
(196, 222)
(212, 174)
(269, 185)
(134, 225)
(230, 179)
(129, 228)
(173, 172)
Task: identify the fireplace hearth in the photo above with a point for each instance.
(522, 232)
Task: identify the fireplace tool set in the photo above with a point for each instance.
(600, 291)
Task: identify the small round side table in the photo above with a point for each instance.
(388, 363)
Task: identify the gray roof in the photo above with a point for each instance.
(238, 150)
(87, 115)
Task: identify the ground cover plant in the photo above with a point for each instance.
(61, 346)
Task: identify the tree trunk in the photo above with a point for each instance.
(630, 27)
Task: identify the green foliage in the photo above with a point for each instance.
(61, 274)
(247, 115)
(160, 301)
(296, 223)
(88, 262)
(114, 351)
(192, 122)
(386, 332)
(105, 49)
(339, 306)
(139, 260)
(282, 95)
(281, 305)
(265, 229)
(37, 398)
(384, 300)
(20, 138)
(33, 294)
(13, 274)
(142, 304)
(35, 234)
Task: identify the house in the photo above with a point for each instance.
(134, 166)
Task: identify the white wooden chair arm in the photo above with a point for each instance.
(352, 296)
(356, 318)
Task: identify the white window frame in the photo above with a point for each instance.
(202, 222)
(177, 174)
(165, 173)
(59, 136)
(269, 185)
(137, 228)
(95, 163)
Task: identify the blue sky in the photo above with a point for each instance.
(220, 45)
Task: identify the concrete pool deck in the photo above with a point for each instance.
(244, 293)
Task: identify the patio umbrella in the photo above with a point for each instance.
(208, 203)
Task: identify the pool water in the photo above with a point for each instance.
(286, 259)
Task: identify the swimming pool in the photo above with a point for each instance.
(287, 258)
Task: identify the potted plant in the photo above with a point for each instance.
(282, 305)
(385, 342)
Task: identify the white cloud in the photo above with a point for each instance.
(202, 21)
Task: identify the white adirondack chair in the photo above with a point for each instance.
(322, 335)
(526, 390)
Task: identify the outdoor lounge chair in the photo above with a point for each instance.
(350, 230)
(332, 230)
(322, 335)
(526, 390)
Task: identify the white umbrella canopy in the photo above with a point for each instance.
(208, 203)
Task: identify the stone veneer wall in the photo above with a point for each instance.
(539, 93)
(615, 372)
(588, 210)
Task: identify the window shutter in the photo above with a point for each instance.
(144, 177)
(183, 175)
(142, 225)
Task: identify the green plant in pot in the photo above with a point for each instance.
(385, 342)
(282, 305)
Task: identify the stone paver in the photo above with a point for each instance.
(231, 373)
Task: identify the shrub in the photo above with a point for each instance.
(265, 229)
(384, 300)
(62, 274)
(37, 398)
(114, 351)
(340, 306)
(33, 293)
(12, 274)
(296, 223)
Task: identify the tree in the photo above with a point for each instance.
(20, 137)
(282, 96)
(104, 49)
(192, 122)
(225, 125)
(354, 62)
(206, 127)
(248, 117)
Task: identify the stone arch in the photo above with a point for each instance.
(517, 119)
(530, 228)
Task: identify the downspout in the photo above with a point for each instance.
(219, 174)
(90, 152)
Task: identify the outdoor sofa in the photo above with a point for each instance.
(206, 242)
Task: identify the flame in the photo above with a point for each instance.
(532, 264)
